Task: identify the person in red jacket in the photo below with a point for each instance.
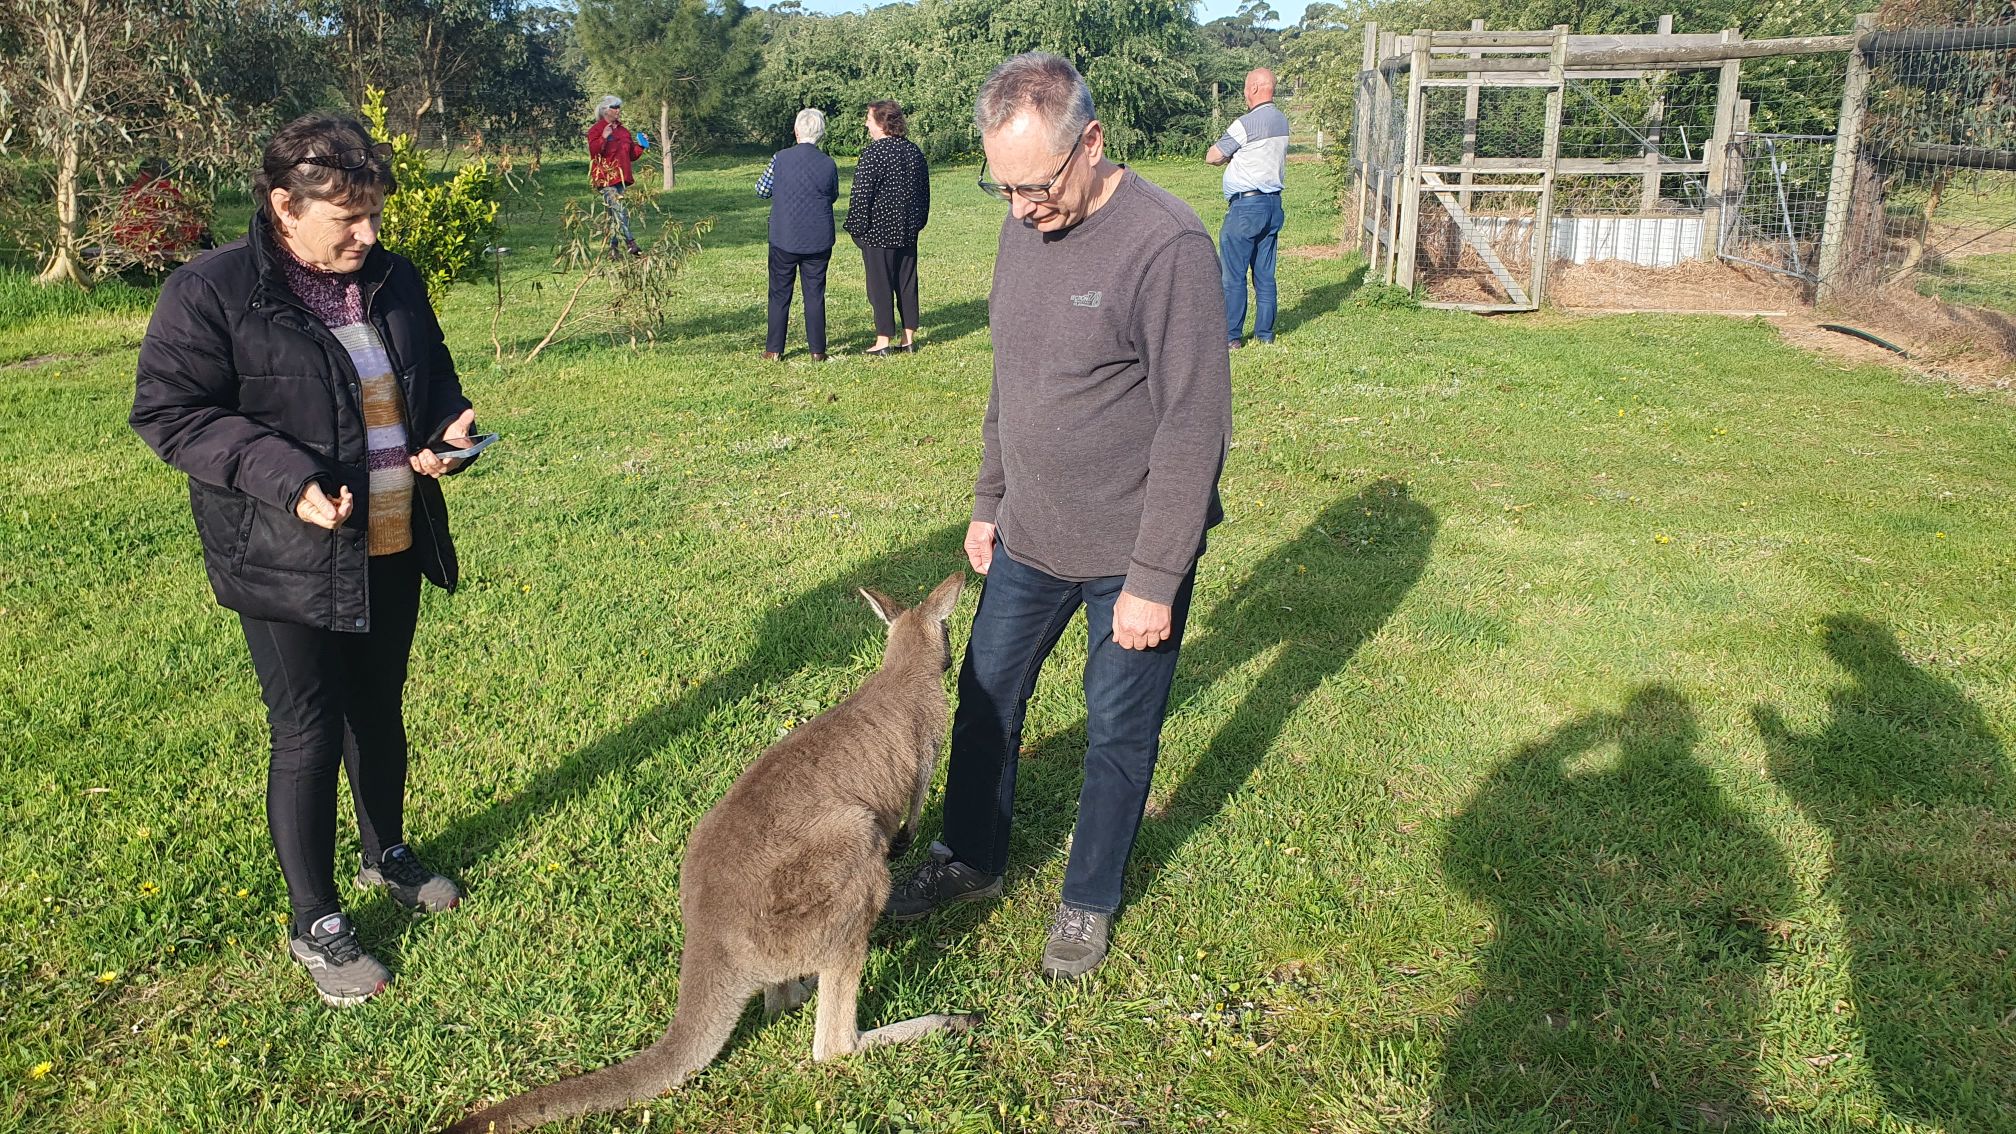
(611, 149)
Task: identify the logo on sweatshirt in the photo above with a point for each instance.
(1089, 299)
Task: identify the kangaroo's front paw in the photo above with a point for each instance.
(901, 844)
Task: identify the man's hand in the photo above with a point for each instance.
(1139, 624)
(426, 463)
(1213, 157)
(316, 508)
(980, 545)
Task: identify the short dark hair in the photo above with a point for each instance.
(889, 116)
(319, 135)
(1038, 83)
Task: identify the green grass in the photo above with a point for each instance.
(1974, 281)
(1587, 725)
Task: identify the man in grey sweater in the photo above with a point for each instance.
(1105, 433)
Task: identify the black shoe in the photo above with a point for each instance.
(939, 881)
(907, 348)
(877, 352)
(345, 975)
(411, 884)
(818, 356)
(1077, 942)
(1234, 344)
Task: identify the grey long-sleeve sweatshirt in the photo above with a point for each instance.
(1111, 407)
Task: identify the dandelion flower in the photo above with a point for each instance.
(41, 1069)
(1662, 538)
(243, 892)
(144, 832)
(1939, 535)
(108, 976)
(149, 889)
(223, 1041)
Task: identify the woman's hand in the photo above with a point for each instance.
(316, 508)
(426, 463)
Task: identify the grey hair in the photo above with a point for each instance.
(1038, 83)
(810, 125)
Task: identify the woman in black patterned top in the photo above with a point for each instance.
(889, 205)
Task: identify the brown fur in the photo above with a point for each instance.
(786, 875)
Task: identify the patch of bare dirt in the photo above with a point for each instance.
(1969, 347)
(1699, 285)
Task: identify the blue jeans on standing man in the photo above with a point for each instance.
(1023, 612)
(1247, 241)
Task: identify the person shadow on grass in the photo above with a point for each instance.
(1313, 601)
(1914, 788)
(1634, 911)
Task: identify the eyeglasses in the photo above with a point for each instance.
(352, 158)
(1034, 194)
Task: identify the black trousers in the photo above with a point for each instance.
(336, 700)
(892, 283)
(809, 268)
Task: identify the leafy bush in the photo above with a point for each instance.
(1384, 297)
(441, 227)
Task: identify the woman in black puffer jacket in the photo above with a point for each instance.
(299, 378)
(886, 209)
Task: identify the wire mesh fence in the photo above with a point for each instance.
(1877, 166)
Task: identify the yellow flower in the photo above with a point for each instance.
(149, 889)
(223, 1041)
(552, 868)
(243, 892)
(1662, 538)
(108, 976)
(144, 832)
(1939, 535)
(41, 1069)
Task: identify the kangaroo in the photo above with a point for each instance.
(786, 875)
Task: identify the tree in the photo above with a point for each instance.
(687, 56)
(95, 79)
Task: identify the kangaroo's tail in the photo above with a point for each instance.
(700, 1027)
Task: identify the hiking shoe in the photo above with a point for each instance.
(412, 885)
(345, 975)
(1077, 942)
(939, 881)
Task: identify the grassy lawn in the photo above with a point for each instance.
(1586, 725)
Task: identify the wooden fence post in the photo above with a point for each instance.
(1550, 159)
(1648, 194)
(1847, 143)
(1410, 175)
(1472, 98)
(1361, 119)
(1712, 218)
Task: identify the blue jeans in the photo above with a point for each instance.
(1252, 229)
(1023, 611)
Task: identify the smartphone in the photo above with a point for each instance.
(472, 445)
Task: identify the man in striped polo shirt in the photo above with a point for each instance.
(1254, 152)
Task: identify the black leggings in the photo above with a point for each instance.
(892, 283)
(336, 699)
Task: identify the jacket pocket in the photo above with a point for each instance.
(277, 539)
(223, 523)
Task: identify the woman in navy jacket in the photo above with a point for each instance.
(802, 183)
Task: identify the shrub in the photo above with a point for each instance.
(442, 227)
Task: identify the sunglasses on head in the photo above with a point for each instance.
(351, 158)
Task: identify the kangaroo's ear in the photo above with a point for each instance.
(938, 605)
(887, 609)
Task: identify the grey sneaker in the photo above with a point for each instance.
(1077, 942)
(412, 885)
(345, 975)
(939, 881)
